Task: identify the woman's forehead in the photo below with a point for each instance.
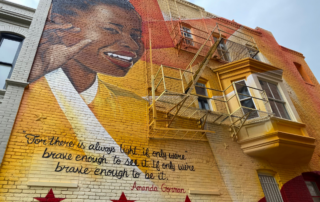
(109, 13)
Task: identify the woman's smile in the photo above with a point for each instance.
(120, 58)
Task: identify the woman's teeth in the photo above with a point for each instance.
(126, 58)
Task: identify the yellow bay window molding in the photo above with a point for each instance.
(278, 141)
(268, 137)
(243, 68)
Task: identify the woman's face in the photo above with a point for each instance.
(116, 39)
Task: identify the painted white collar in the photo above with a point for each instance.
(89, 94)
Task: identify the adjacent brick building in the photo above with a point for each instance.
(152, 100)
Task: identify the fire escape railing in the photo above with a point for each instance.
(228, 106)
(174, 105)
(230, 49)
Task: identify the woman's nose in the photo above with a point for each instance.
(128, 42)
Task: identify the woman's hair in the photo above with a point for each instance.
(65, 7)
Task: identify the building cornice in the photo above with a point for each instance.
(238, 26)
(18, 6)
(15, 17)
(190, 4)
(292, 52)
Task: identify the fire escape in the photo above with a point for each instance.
(174, 101)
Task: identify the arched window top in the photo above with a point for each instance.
(19, 34)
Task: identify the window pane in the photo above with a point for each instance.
(203, 104)
(275, 91)
(223, 51)
(283, 112)
(4, 73)
(248, 103)
(265, 87)
(206, 105)
(186, 32)
(274, 108)
(316, 199)
(270, 188)
(313, 188)
(201, 91)
(8, 50)
(242, 89)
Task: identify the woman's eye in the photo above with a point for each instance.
(136, 36)
(111, 30)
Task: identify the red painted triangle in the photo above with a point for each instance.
(122, 198)
(187, 199)
(50, 198)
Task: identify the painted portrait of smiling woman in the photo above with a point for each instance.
(85, 44)
(89, 37)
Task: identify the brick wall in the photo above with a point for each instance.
(89, 85)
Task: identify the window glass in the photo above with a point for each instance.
(186, 32)
(201, 90)
(270, 188)
(242, 90)
(203, 104)
(282, 110)
(265, 87)
(314, 190)
(275, 92)
(8, 50)
(223, 51)
(4, 74)
(276, 101)
(246, 99)
(274, 108)
(248, 103)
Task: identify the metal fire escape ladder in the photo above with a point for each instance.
(175, 102)
(202, 66)
(194, 80)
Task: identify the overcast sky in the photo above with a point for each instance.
(294, 23)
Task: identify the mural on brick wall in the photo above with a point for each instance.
(84, 118)
(83, 123)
